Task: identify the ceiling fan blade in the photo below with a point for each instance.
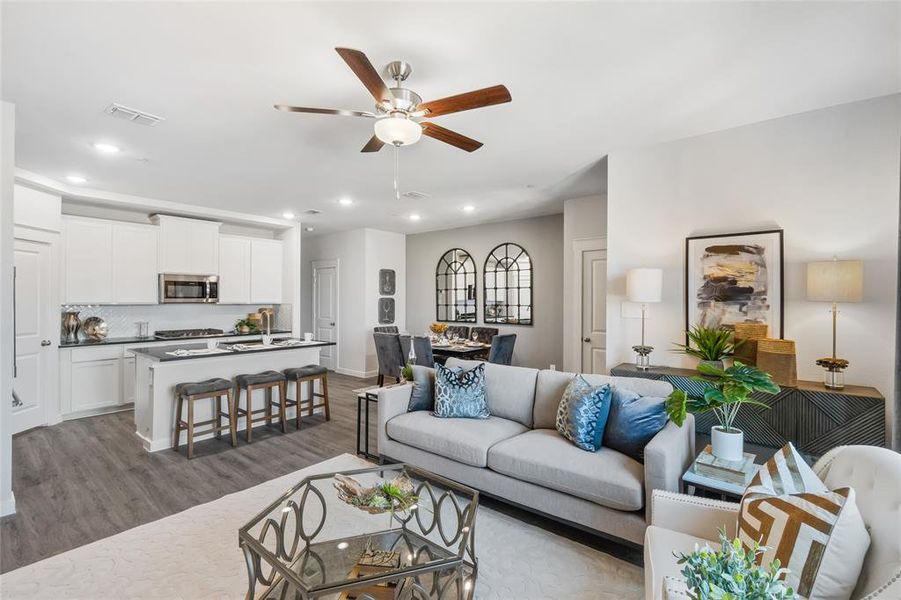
(447, 136)
(468, 101)
(373, 145)
(364, 70)
(325, 111)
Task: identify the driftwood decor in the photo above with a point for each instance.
(394, 496)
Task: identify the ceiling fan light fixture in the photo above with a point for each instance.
(398, 130)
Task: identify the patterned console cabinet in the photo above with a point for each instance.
(810, 416)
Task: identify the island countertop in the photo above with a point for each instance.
(180, 352)
(88, 343)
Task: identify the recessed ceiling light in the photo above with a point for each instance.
(308, 229)
(76, 179)
(469, 208)
(105, 148)
(288, 215)
(345, 201)
(415, 217)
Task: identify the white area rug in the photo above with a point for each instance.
(194, 555)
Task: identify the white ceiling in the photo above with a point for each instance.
(586, 79)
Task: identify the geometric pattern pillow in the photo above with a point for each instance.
(817, 534)
(582, 413)
(460, 393)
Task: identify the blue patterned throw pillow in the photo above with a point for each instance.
(634, 420)
(582, 413)
(460, 393)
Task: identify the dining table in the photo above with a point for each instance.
(465, 350)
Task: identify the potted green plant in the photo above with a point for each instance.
(709, 344)
(725, 390)
(732, 573)
(406, 372)
(245, 326)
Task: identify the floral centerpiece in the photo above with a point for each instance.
(395, 495)
(438, 328)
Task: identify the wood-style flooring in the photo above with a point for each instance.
(84, 480)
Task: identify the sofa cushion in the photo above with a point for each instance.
(423, 395)
(510, 391)
(549, 388)
(543, 457)
(633, 422)
(583, 413)
(463, 440)
(460, 393)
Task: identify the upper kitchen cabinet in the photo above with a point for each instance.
(266, 261)
(108, 262)
(234, 269)
(187, 246)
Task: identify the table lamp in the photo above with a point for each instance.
(834, 281)
(644, 286)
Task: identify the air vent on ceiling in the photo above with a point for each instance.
(312, 211)
(132, 114)
(415, 195)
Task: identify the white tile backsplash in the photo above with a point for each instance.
(121, 319)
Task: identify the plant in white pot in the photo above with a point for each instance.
(725, 390)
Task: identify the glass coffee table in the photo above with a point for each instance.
(313, 542)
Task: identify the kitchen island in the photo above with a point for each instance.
(158, 369)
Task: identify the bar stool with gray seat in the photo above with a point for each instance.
(310, 374)
(201, 390)
(267, 380)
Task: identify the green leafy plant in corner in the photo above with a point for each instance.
(709, 343)
(725, 390)
(245, 323)
(732, 573)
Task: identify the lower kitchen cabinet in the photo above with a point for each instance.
(96, 384)
(94, 380)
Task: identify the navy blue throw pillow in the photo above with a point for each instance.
(423, 395)
(634, 420)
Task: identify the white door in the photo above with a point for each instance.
(325, 310)
(34, 335)
(594, 311)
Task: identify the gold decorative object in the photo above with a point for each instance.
(749, 334)
(438, 328)
(778, 358)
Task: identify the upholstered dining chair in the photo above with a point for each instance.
(484, 334)
(389, 354)
(502, 349)
(460, 330)
(385, 329)
(423, 348)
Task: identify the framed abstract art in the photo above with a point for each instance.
(735, 278)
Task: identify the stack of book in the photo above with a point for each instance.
(737, 472)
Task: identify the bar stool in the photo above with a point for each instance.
(200, 390)
(311, 374)
(267, 380)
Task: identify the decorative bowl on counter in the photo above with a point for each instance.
(95, 328)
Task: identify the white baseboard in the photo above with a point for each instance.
(357, 374)
(8, 505)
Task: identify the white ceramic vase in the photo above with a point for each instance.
(727, 446)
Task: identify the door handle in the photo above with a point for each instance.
(588, 339)
(46, 342)
(332, 324)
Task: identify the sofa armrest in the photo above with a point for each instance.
(666, 457)
(699, 517)
(393, 401)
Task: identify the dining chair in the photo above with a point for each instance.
(389, 355)
(484, 334)
(423, 348)
(461, 330)
(502, 349)
(385, 329)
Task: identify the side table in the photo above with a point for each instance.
(365, 397)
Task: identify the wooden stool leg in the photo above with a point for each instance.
(268, 399)
(190, 427)
(297, 398)
(249, 415)
(218, 419)
(312, 397)
(177, 437)
(283, 405)
(324, 383)
(232, 417)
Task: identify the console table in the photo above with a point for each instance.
(811, 416)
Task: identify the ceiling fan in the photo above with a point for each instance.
(398, 108)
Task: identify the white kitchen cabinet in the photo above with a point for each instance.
(266, 271)
(95, 384)
(234, 269)
(134, 259)
(188, 246)
(128, 380)
(88, 266)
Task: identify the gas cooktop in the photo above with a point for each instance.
(170, 334)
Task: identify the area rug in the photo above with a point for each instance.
(194, 555)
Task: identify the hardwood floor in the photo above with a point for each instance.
(87, 479)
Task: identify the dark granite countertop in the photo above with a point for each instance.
(137, 340)
(161, 353)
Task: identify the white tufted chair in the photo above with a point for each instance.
(679, 521)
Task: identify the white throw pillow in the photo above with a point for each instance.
(818, 534)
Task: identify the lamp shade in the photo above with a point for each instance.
(644, 285)
(835, 281)
(398, 130)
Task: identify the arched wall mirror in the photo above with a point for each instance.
(455, 287)
(508, 285)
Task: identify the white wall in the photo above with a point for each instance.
(538, 345)
(583, 218)
(361, 253)
(829, 178)
(7, 167)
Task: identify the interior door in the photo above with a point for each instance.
(33, 335)
(325, 312)
(594, 311)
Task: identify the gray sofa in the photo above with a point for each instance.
(517, 455)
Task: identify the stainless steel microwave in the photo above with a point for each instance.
(175, 288)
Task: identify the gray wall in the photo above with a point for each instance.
(538, 345)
